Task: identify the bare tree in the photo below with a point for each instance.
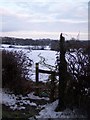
(79, 68)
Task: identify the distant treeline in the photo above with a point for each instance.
(54, 44)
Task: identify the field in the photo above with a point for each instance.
(38, 56)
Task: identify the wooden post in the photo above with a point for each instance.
(62, 74)
(37, 72)
(52, 87)
(37, 79)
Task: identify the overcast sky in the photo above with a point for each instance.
(44, 18)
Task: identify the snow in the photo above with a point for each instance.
(32, 96)
(18, 101)
(4, 46)
(15, 102)
(38, 56)
(30, 47)
(47, 48)
(49, 112)
(45, 58)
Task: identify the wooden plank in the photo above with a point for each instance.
(46, 71)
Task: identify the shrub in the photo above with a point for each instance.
(14, 71)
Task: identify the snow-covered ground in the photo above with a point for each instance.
(49, 112)
(18, 102)
(25, 46)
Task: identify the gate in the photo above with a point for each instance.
(53, 74)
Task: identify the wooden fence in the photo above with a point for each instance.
(53, 74)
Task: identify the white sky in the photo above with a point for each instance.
(44, 18)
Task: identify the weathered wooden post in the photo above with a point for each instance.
(37, 79)
(62, 74)
(37, 72)
(52, 87)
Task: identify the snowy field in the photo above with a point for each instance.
(43, 57)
